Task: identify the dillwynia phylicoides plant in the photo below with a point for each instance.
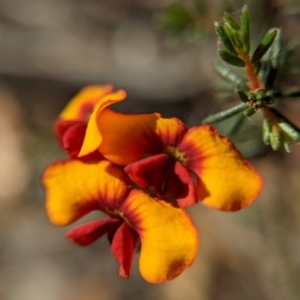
(142, 170)
(256, 93)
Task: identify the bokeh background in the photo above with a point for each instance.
(49, 49)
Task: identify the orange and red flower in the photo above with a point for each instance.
(167, 237)
(169, 165)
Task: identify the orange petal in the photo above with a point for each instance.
(170, 131)
(83, 103)
(94, 134)
(169, 240)
(226, 181)
(124, 138)
(74, 188)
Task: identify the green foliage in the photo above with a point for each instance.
(261, 70)
(266, 129)
(230, 22)
(264, 45)
(245, 30)
(239, 34)
(276, 138)
(250, 111)
(231, 58)
(230, 76)
(225, 114)
(241, 95)
(234, 36)
(224, 38)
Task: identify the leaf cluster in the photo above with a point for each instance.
(256, 90)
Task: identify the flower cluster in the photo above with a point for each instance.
(141, 170)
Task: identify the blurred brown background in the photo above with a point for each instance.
(49, 49)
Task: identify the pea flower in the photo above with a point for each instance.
(224, 179)
(167, 237)
(84, 122)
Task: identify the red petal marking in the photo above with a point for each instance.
(186, 179)
(172, 185)
(71, 135)
(85, 111)
(168, 177)
(150, 171)
(123, 246)
(61, 126)
(86, 234)
(170, 131)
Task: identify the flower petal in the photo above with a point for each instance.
(169, 178)
(150, 171)
(81, 106)
(61, 127)
(126, 137)
(170, 131)
(74, 188)
(86, 234)
(190, 197)
(122, 247)
(71, 135)
(169, 240)
(226, 180)
(94, 136)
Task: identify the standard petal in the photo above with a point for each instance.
(74, 188)
(94, 135)
(169, 240)
(123, 247)
(226, 181)
(123, 138)
(170, 131)
(81, 106)
(86, 234)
